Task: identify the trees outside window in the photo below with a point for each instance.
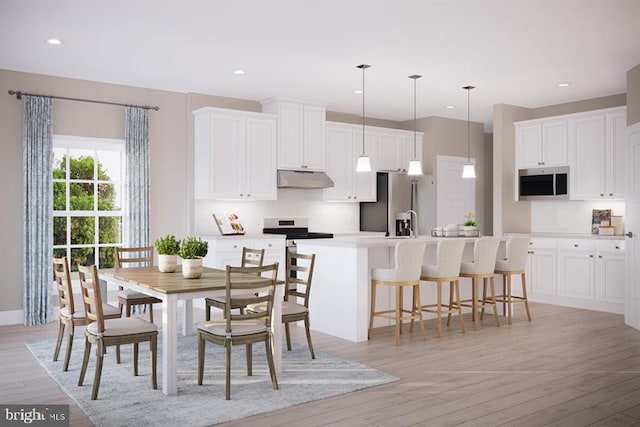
(87, 199)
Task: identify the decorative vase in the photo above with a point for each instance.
(167, 263)
(469, 230)
(192, 268)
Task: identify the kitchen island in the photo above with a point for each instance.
(340, 292)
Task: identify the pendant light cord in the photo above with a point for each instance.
(468, 89)
(414, 117)
(364, 67)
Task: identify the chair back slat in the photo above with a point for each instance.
(235, 283)
(302, 265)
(252, 257)
(134, 257)
(91, 296)
(63, 283)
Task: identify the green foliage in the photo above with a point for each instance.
(168, 245)
(193, 247)
(470, 220)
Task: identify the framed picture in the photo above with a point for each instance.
(600, 217)
(228, 224)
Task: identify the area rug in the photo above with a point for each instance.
(125, 399)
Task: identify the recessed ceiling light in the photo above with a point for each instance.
(358, 91)
(449, 107)
(55, 42)
(238, 72)
(564, 84)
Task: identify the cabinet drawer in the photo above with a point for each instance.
(268, 244)
(614, 246)
(577, 245)
(229, 245)
(542, 243)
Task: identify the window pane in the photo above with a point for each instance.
(107, 258)
(108, 197)
(110, 229)
(81, 164)
(59, 196)
(59, 252)
(82, 230)
(109, 165)
(59, 163)
(59, 230)
(83, 256)
(81, 196)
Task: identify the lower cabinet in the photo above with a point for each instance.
(225, 251)
(582, 273)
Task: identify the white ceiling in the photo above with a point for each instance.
(514, 52)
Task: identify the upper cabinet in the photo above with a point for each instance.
(395, 149)
(234, 155)
(301, 133)
(598, 147)
(541, 143)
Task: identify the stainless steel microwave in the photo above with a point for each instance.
(543, 183)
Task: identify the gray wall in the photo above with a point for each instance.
(633, 95)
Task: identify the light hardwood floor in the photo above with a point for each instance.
(568, 367)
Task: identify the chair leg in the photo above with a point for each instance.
(439, 308)
(118, 354)
(272, 366)
(128, 309)
(153, 349)
(228, 370)
(372, 310)
(308, 331)
(524, 294)
(85, 361)
(493, 299)
(207, 312)
(249, 351)
(460, 318)
(287, 333)
(98, 373)
(397, 316)
(135, 359)
(67, 354)
(200, 358)
(56, 352)
(151, 313)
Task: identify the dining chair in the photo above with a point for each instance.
(482, 268)
(250, 258)
(70, 316)
(295, 306)
(514, 264)
(109, 332)
(245, 327)
(446, 270)
(127, 298)
(408, 263)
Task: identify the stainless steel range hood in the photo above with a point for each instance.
(303, 179)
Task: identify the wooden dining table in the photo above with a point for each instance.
(171, 288)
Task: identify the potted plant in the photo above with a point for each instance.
(192, 250)
(168, 248)
(470, 226)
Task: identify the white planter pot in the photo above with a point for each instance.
(192, 268)
(469, 230)
(167, 263)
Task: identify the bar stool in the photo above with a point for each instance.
(513, 264)
(485, 250)
(447, 269)
(408, 262)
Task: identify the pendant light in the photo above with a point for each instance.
(364, 163)
(415, 165)
(468, 170)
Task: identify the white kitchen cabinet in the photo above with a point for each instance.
(611, 271)
(541, 143)
(576, 268)
(344, 145)
(301, 133)
(598, 154)
(234, 155)
(405, 150)
(541, 267)
(227, 250)
(395, 149)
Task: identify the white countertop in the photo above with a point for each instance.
(372, 240)
(567, 236)
(242, 236)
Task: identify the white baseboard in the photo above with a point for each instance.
(11, 317)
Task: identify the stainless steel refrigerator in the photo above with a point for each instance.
(397, 193)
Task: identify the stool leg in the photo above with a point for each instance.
(400, 306)
(484, 297)
(504, 294)
(417, 311)
(493, 300)
(524, 294)
(439, 308)
(450, 303)
(474, 299)
(509, 302)
(398, 322)
(460, 318)
(373, 308)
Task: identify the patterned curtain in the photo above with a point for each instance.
(136, 225)
(37, 136)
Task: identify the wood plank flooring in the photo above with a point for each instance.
(568, 367)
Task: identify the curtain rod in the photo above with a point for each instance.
(19, 94)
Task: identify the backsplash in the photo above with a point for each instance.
(569, 216)
(323, 216)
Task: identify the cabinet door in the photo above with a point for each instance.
(363, 184)
(555, 149)
(542, 274)
(315, 152)
(611, 276)
(261, 175)
(587, 174)
(616, 155)
(340, 163)
(291, 138)
(528, 146)
(406, 151)
(387, 152)
(576, 276)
